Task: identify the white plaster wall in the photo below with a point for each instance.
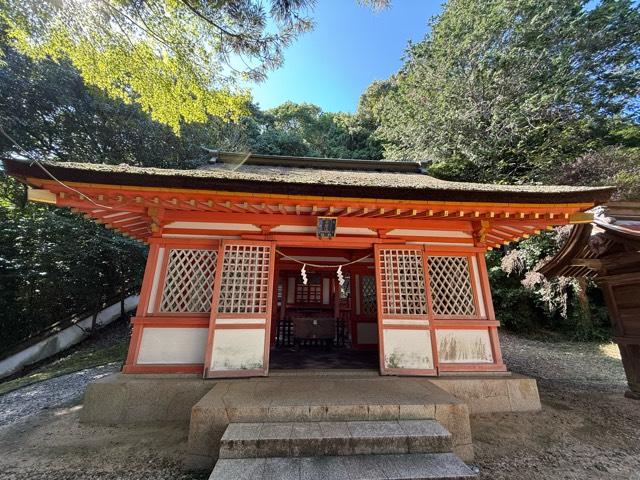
(464, 346)
(429, 233)
(238, 349)
(246, 227)
(172, 345)
(407, 349)
(62, 340)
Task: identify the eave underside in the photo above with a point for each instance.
(139, 212)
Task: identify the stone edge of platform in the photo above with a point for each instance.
(138, 399)
(489, 394)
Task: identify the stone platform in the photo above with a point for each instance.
(208, 406)
(322, 399)
(138, 399)
(120, 399)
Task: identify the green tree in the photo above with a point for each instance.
(179, 59)
(305, 129)
(182, 61)
(54, 264)
(505, 90)
(46, 108)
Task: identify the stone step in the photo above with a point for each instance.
(302, 439)
(415, 466)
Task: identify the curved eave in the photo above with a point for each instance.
(576, 246)
(625, 234)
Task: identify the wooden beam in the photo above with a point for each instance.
(41, 196)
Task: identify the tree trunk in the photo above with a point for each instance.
(586, 320)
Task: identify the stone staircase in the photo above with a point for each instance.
(373, 449)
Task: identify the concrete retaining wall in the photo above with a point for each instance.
(63, 339)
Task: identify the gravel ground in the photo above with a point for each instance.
(586, 429)
(49, 394)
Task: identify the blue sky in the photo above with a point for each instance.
(350, 47)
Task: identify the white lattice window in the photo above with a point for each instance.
(189, 280)
(451, 289)
(244, 283)
(402, 282)
(369, 306)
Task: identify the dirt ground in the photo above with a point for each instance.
(53, 445)
(586, 429)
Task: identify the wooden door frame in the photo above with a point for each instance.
(213, 326)
(381, 316)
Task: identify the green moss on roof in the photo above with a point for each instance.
(229, 176)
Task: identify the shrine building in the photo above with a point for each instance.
(259, 262)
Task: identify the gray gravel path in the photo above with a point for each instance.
(56, 392)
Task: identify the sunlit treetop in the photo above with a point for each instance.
(181, 60)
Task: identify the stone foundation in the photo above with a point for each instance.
(317, 398)
(208, 406)
(492, 393)
(137, 399)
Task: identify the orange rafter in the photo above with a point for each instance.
(124, 208)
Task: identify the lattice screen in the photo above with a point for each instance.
(189, 281)
(450, 282)
(244, 286)
(402, 282)
(369, 306)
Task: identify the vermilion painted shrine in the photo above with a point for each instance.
(223, 286)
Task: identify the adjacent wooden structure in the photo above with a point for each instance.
(608, 250)
(223, 278)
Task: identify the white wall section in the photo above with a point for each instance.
(169, 345)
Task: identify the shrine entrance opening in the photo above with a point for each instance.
(322, 320)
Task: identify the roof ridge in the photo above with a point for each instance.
(248, 158)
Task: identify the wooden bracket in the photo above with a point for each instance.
(156, 215)
(266, 229)
(480, 230)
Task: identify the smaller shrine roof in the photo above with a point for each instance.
(615, 222)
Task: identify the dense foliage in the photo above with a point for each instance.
(509, 90)
(54, 265)
(525, 300)
(180, 60)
